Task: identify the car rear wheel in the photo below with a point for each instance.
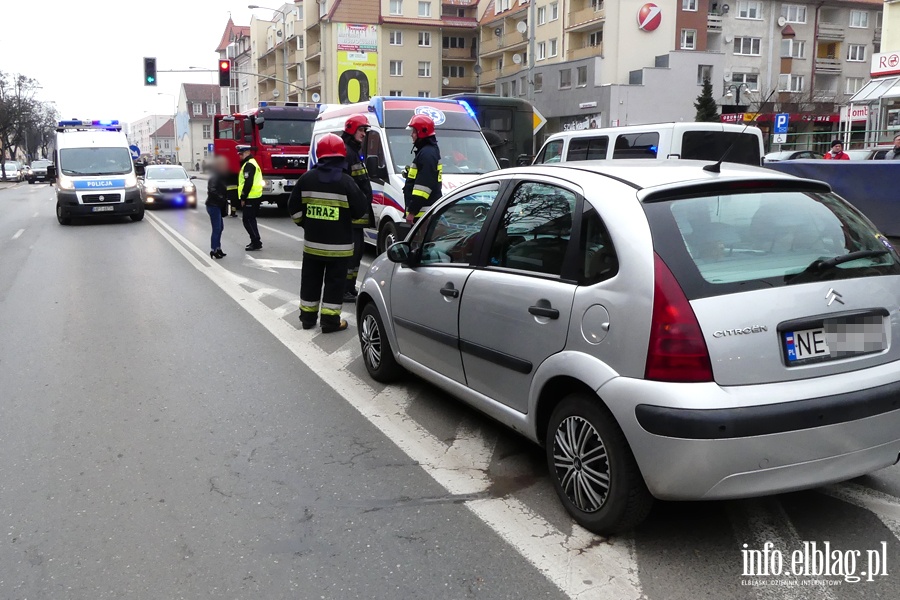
(387, 236)
(376, 348)
(593, 470)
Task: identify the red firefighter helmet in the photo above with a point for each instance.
(330, 146)
(354, 123)
(423, 125)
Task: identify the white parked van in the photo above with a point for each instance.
(388, 149)
(696, 141)
(94, 172)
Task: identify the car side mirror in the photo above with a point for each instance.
(51, 172)
(504, 163)
(400, 253)
(260, 121)
(139, 170)
(376, 169)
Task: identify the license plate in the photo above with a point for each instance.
(103, 208)
(806, 344)
(841, 338)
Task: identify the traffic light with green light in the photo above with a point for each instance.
(224, 73)
(149, 71)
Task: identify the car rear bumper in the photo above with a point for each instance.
(704, 442)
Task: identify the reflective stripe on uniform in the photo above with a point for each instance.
(412, 171)
(440, 172)
(307, 306)
(231, 187)
(360, 221)
(322, 195)
(297, 217)
(328, 250)
(327, 202)
(329, 310)
(352, 275)
(421, 190)
(358, 170)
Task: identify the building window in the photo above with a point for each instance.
(597, 5)
(424, 94)
(538, 82)
(746, 46)
(689, 5)
(454, 42)
(424, 68)
(750, 79)
(512, 87)
(581, 76)
(396, 38)
(793, 49)
(790, 83)
(541, 50)
(523, 85)
(542, 15)
(396, 7)
(424, 9)
(854, 84)
(595, 38)
(750, 9)
(688, 39)
(856, 53)
(504, 89)
(454, 71)
(859, 19)
(424, 39)
(300, 42)
(211, 108)
(565, 79)
(395, 93)
(197, 108)
(207, 132)
(704, 72)
(554, 11)
(552, 48)
(794, 13)
(397, 68)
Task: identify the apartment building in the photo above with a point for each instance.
(198, 103)
(243, 93)
(140, 131)
(162, 142)
(277, 50)
(891, 35)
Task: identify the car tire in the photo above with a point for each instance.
(137, 217)
(388, 235)
(581, 421)
(31, 182)
(59, 216)
(377, 353)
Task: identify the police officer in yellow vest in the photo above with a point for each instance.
(250, 188)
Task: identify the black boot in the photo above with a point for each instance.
(220, 254)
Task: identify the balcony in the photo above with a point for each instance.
(504, 43)
(314, 80)
(585, 52)
(878, 35)
(714, 23)
(488, 77)
(458, 54)
(586, 18)
(313, 50)
(828, 66)
(830, 31)
(461, 83)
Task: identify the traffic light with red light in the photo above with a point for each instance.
(149, 71)
(224, 73)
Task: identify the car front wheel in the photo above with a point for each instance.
(593, 470)
(62, 219)
(376, 348)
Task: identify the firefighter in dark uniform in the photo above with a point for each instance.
(423, 177)
(250, 189)
(354, 135)
(325, 202)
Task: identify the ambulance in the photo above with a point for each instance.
(94, 172)
(388, 149)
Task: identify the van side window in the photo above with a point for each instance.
(374, 147)
(637, 145)
(592, 148)
(552, 153)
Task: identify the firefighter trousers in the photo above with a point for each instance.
(359, 244)
(322, 280)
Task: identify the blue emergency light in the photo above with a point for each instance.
(468, 108)
(106, 124)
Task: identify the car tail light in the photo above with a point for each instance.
(677, 351)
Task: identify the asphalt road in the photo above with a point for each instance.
(167, 431)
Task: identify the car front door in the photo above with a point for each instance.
(515, 311)
(425, 296)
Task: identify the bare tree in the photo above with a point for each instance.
(17, 113)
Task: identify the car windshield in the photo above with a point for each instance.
(95, 161)
(294, 133)
(725, 243)
(11, 166)
(166, 173)
(462, 152)
(40, 164)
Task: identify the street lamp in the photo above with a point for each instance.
(737, 92)
(284, 59)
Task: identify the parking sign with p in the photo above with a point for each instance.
(781, 123)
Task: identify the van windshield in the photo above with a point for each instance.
(462, 152)
(95, 161)
(712, 145)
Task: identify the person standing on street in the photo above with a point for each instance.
(423, 177)
(354, 135)
(837, 151)
(893, 153)
(250, 188)
(325, 202)
(217, 204)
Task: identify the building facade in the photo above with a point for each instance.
(235, 46)
(162, 143)
(280, 54)
(198, 103)
(140, 131)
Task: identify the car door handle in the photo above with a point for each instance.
(544, 311)
(450, 291)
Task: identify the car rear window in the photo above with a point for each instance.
(712, 145)
(735, 242)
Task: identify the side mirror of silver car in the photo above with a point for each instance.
(399, 253)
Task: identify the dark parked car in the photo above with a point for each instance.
(38, 171)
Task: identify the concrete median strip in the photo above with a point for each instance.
(572, 560)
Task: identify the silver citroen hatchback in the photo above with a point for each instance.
(665, 330)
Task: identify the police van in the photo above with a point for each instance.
(388, 149)
(94, 172)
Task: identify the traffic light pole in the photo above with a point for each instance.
(293, 85)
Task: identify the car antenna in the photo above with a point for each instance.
(717, 167)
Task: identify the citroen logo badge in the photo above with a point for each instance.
(833, 296)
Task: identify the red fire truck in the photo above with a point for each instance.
(281, 133)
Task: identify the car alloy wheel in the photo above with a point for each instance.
(581, 464)
(370, 335)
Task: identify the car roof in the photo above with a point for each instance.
(625, 129)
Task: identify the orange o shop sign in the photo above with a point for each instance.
(649, 17)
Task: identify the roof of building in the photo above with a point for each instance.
(166, 131)
(489, 15)
(232, 32)
(201, 92)
(355, 11)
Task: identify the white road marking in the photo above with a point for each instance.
(17, 234)
(573, 561)
(270, 264)
(287, 235)
(36, 214)
(884, 506)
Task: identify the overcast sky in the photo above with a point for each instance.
(87, 54)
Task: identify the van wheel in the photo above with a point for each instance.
(376, 348)
(593, 469)
(137, 217)
(387, 236)
(59, 216)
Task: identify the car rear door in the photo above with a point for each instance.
(515, 311)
